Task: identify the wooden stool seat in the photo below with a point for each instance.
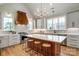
(46, 49)
(37, 42)
(30, 40)
(46, 45)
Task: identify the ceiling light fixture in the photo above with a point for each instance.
(43, 11)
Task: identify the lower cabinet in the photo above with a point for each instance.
(9, 40)
(4, 41)
(14, 39)
(73, 41)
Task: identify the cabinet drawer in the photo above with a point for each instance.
(76, 43)
(73, 45)
(73, 36)
(72, 40)
(6, 37)
(16, 38)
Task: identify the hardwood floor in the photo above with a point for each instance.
(19, 50)
(69, 51)
(14, 51)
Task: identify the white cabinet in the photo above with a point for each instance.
(73, 41)
(8, 40)
(73, 19)
(4, 41)
(14, 39)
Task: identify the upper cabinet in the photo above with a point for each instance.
(73, 19)
(21, 18)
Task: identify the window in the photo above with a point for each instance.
(39, 24)
(55, 24)
(62, 23)
(49, 24)
(7, 23)
(58, 23)
(34, 24)
(30, 25)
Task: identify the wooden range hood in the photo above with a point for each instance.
(21, 18)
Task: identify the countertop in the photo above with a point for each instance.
(59, 34)
(52, 38)
(7, 34)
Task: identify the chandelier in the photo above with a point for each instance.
(43, 12)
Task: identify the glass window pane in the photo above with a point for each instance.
(39, 24)
(62, 23)
(34, 24)
(30, 25)
(7, 24)
(55, 23)
(49, 24)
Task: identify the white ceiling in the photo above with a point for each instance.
(60, 8)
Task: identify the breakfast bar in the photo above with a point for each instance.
(48, 45)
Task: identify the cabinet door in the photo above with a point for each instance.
(73, 19)
(4, 41)
(17, 39)
(14, 39)
(73, 41)
(11, 40)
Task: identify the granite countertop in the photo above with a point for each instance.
(52, 38)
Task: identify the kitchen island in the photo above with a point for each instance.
(53, 41)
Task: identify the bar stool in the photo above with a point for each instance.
(37, 47)
(46, 48)
(24, 44)
(30, 43)
(30, 46)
